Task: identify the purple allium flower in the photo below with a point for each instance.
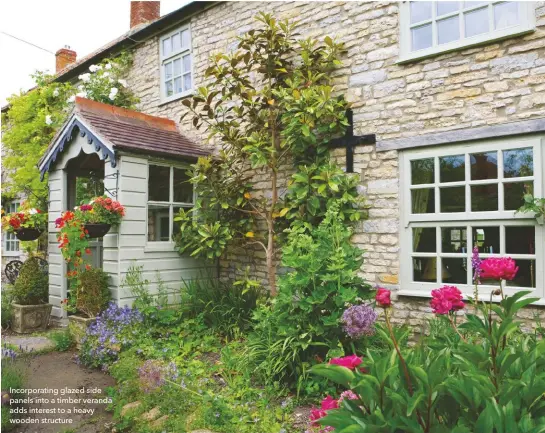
(154, 373)
(359, 320)
(476, 263)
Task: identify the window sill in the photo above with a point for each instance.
(173, 98)
(12, 253)
(465, 44)
(155, 247)
(427, 295)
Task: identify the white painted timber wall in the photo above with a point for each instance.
(156, 258)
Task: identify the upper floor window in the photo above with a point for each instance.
(11, 243)
(431, 27)
(176, 64)
(169, 190)
(461, 196)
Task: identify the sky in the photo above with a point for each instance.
(52, 24)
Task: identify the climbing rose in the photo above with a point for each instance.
(446, 299)
(350, 362)
(383, 297)
(359, 320)
(503, 268)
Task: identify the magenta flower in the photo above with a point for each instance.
(446, 300)
(329, 403)
(350, 362)
(383, 297)
(503, 268)
(85, 207)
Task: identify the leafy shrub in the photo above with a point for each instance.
(63, 340)
(32, 285)
(225, 307)
(302, 323)
(493, 384)
(93, 294)
(113, 330)
(7, 308)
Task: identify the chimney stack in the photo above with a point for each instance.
(144, 12)
(64, 57)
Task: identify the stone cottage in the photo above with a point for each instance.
(454, 93)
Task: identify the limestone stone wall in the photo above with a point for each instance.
(491, 84)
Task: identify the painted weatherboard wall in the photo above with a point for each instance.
(156, 258)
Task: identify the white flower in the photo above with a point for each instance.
(91, 202)
(113, 93)
(32, 211)
(76, 207)
(93, 68)
(85, 77)
(122, 82)
(81, 87)
(106, 74)
(108, 66)
(82, 94)
(56, 92)
(48, 120)
(71, 99)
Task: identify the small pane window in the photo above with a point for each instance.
(422, 171)
(513, 194)
(168, 71)
(423, 200)
(158, 223)
(420, 11)
(445, 7)
(487, 239)
(453, 199)
(452, 168)
(176, 64)
(520, 239)
(484, 198)
(424, 240)
(448, 30)
(518, 163)
(159, 183)
(422, 37)
(177, 70)
(183, 188)
(506, 15)
(453, 239)
(484, 165)
(425, 269)
(476, 22)
(176, 42)
(167, 47)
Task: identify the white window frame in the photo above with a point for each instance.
(11, 238)
(171, 204)
(469, 219)
(527, 24)
(170, 57)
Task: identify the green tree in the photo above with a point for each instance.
(269, 105)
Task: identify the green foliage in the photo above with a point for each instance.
(63, 340)
(92, 292)
(224, 307)
(7, 308)
(533, 204)
(13, 377)
(35, 116)
(493, 384)
(270, 105)
(302, 323)
(32, 285)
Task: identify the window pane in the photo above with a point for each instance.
(187, 82)
(513, 194)
(454, 239)
(448, 30)
(476, 22)
(422, 171)
(183, 189)
(484, 198)
(518, 162)
(421, 37)
(453, 199)
(186, 42)
(506, 15)
(178, 85)
(159, 183)
(168, 88)
(176, 42)
(425, 269)
(520, 239)
(187, 63)
(424, 240)
(167, 49)
(420, 11)
(423, 200)
(177, 70)
(446, 7)
(158, 223)
(168, 71)
(454, 270)
(487, 239)
(484, 165)
(452, 168)
(526, 275)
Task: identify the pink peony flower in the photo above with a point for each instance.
(503, 268)
(446, 299)
(383, 297)
(348, 395)
(315, 415)
(329, 403)
(350, 362)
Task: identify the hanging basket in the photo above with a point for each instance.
(97, 230)
(28, 234)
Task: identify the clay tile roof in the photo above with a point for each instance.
(138, 132)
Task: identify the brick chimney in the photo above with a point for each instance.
(64, 57)
(144, 12)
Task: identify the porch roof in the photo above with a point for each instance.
(112, 128)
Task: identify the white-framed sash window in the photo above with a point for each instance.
(176, 64)
(433, 27)
(11, 243)
(458, 196)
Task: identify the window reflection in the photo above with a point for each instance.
(487, 239)
(454, 239)
(484, 165)
(518, 162)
